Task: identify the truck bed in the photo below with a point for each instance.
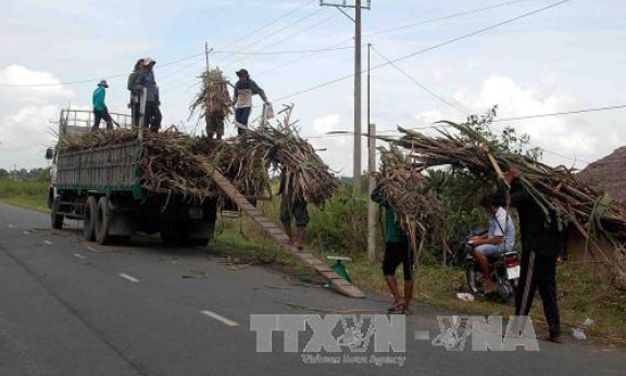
(104, 169)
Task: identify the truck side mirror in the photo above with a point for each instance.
(49, 153)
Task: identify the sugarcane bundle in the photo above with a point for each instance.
(405, 189)
(213, 100)
(90, 140)
(555, 189)
(244, 164)
(168, 162)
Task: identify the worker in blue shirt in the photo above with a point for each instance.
(100, 110)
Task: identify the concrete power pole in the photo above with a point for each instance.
(372, 208)
(358, 7)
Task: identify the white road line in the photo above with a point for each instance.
(26, 232)
(129, 278)
(78, 255)
(92, 250)
(217, 317)
(10, 225)
(47, 242)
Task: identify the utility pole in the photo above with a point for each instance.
(358, 7)
(372, 208)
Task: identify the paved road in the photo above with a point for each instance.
(73, 308)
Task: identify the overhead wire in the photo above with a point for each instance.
(433, 47)
(397, 28)
(420, 85)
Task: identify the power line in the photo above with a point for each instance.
(289, 37)
(420, 85)
(287, 14)
(76, 82)
(583, 111)
(286, 27)
(425, 22)
(434, 47)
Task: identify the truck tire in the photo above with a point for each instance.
(103, 222)
(90, 218)
(56, 219)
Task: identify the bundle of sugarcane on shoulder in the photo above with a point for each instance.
(406, 192)
(564, 201)
(213, 102)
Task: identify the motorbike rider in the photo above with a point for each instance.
(501, 234)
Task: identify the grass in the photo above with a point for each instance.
(30, 194)
(580, 295)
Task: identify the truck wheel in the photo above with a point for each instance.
(90, 219)
(55, 218)
(103, 222)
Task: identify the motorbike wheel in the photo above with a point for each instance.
(475, 279)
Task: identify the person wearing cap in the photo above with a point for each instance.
(134, 93)
(152, 116)
(242, 99)
(100, 110)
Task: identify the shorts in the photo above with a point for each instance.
(488, 249)
(214, 125)
(297, 210)
(397, 253)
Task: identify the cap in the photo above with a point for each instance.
(242, 72)
(103, 83)
(148, 61)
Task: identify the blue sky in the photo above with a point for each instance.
(566, 58)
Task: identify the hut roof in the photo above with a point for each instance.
(608, 173)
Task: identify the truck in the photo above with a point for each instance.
(102, 188)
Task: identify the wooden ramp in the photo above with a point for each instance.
(279, 235)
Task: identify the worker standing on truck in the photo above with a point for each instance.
(100, 110)
(134, 104)
(293, 207)
(152, 115)
(242, 99)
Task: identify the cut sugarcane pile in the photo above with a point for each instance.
(406, 191)
(213, 100)
(554, 189)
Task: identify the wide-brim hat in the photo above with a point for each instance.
(103, 83)
(148, 61)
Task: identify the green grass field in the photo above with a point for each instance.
(31, 194)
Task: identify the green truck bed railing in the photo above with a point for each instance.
(105, 169)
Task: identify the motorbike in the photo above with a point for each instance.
(504, 268)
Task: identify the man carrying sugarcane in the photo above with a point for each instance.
(541, 246)
(242, 99)
(397, 251)
(293, 207)
(100, 111)
(217, 104)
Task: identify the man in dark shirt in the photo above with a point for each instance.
(152, 116)
(134, 92)
(541, 246)
(242, 99)
(294, 207)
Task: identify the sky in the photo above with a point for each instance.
(566, 58)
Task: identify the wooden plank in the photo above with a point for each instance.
(279, 235)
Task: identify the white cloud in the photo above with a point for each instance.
(25, 115)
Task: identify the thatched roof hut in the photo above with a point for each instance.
(608, 173)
